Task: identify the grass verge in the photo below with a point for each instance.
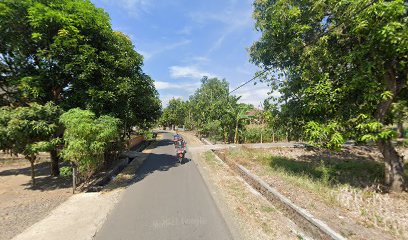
(347, 181)
(257, 218)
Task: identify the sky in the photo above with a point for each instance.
(183, 40)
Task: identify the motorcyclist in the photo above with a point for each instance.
(180, 145)
(176, 138)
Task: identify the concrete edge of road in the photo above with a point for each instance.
(305, 220)
(218, 199)
(220, 203)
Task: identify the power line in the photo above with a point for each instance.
(319, 36)
(252, 79)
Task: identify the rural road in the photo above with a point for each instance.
(168, 201)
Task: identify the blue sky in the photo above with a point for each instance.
(182, 40)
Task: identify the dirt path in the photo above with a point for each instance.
(20, 204)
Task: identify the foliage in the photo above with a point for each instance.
(175, 113)
(66, 52)
(86, 138)
(400, 114)
(254, 134)
(66, 171)
(210, 110)
(326, 136)
(335, 61)
(29, 130)
(322, 52)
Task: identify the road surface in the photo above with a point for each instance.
(168, 201)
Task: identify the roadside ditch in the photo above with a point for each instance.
(128, 157)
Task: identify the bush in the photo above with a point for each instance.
(66, 171)
(87, 138)
(252, 134)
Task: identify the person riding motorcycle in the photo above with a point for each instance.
(180, 146)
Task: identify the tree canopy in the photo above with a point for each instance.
(66, 52)
(340, 65)
(210, 110)
(86, 137)
(29, 130)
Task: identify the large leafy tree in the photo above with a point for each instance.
(212, 102)
(124, 90)
(175, 113)
(340, 66)
(66, 52)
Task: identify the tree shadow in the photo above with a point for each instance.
(49, 183)
(43, 180)
(332, 169)
(157, 162)
(42, 168)
(154, 162)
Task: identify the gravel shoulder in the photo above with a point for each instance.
(21, 205)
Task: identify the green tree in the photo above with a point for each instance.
(240, 114)
(86, 138)
(175, 113)
(29, 130)
(340, 65)
(66, 52)
(211, 102)
(400, 112)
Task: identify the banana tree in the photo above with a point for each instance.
(240, 116)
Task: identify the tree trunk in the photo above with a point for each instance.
(55, 171)
(32, 161)
(236, 134)
(394, 165)
(74, 177)
(394, 170)
(400, 126)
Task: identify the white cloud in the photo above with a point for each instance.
(201, 59)
(162, 85)
(167, 85)
(188, 72)
(133, 7)
(166, 98)
(255, 94)
(185, 30)
(163, 48)
(233, 20)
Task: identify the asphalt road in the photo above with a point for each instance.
(168, 201)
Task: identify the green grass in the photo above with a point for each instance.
(327, 171)
(318, 173)
(209, 158)
(345, 181)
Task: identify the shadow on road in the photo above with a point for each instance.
(155, 162)
(158, 162)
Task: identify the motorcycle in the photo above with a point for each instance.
(180, 154)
